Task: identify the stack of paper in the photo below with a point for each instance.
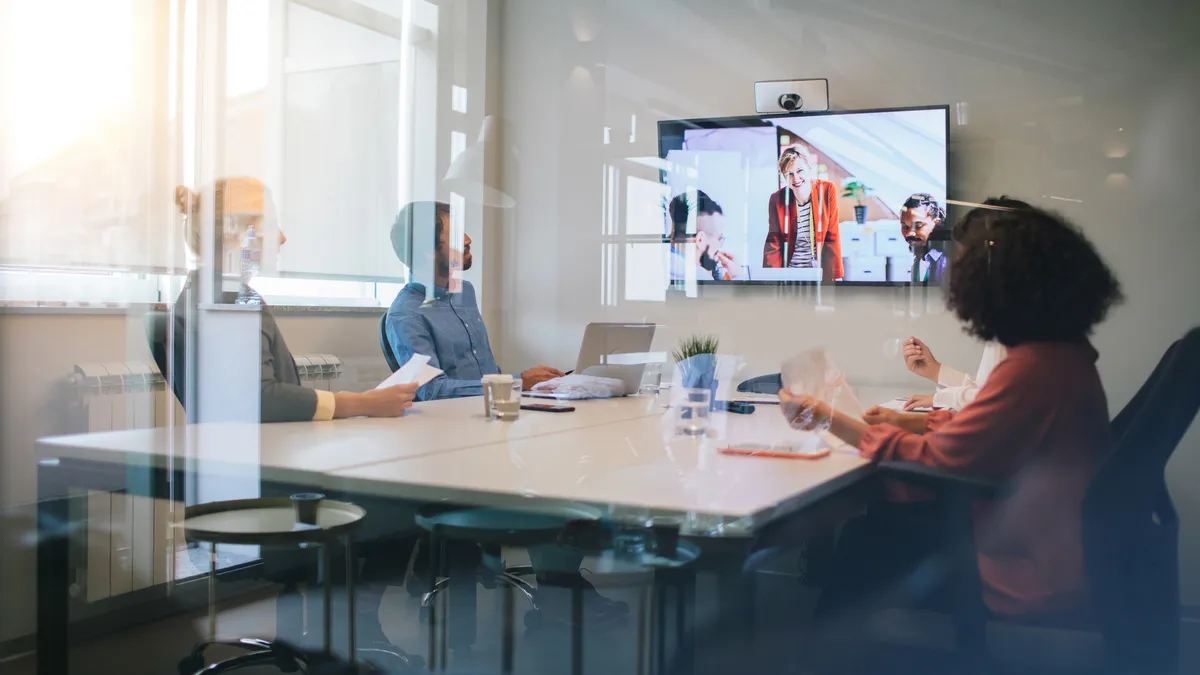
(416, 370)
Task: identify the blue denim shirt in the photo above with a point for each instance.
(449, 329)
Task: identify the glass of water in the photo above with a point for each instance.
(651, 379)
(505, 397)
(693, 412)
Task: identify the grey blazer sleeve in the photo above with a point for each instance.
(283, 399)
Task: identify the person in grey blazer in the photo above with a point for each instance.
(242, 205)
(243, 208)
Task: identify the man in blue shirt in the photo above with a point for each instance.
(443, 324)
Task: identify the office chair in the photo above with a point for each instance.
(1130, 529)
(763, 384)
(386, 346)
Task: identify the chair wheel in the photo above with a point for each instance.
(190, 664)
(533, 620)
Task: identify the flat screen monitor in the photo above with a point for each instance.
(846, 197)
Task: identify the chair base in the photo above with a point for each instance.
(261, 652)
(510, 577)
(290, 660)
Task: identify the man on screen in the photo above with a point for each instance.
(703, 250)
(923, 225)
(803, 219)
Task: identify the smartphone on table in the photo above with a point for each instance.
(548, 407)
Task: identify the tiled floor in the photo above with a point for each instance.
(155, 649)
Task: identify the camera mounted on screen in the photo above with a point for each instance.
(786, 96)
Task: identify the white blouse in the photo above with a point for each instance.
(956, 389)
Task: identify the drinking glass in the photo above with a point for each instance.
(693, 413)
(505, 397)
(651, 379)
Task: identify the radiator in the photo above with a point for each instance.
(129, 543)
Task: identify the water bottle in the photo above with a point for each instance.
(250, 258)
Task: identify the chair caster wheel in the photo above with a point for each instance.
(190, 664)
(533, 620)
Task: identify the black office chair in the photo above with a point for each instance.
(763, 384)
(1130, 529)
(386, 346)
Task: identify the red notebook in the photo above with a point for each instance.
(781, 452)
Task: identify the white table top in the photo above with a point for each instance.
(432, 427)
(636, 463)
(617, 452)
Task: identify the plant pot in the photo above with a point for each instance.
(699, 372)
(860, 214)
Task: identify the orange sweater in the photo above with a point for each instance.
(1041, 421)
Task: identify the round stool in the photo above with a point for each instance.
(652, 573)
(518, 526)
(271, 521)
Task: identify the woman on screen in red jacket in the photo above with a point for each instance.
(802, 229)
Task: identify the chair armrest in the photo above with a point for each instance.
(763, 384)
(943, 480)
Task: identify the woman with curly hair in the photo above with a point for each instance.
(1028, 279)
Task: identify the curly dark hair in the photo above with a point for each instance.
(1024, 274)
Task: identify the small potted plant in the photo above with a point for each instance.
(858, 191)
(697, 360)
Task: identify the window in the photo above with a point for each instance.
(329, 108)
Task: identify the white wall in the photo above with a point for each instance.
(1090, 101)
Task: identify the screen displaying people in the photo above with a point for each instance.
(698, 240)
(923, 226)
(803, 219)
(818, 197)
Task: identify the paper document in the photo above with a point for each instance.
(416, 370)
(898, 405)
(814, 374)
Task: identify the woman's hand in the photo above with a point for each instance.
(809, 414)
(804, 412)
(919, 401)
(880, 415)
(920, 359)
(388, 402)
(914, 422)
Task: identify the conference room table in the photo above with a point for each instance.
(618, 454)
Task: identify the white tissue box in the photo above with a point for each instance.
(865, 268)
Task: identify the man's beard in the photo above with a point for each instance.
(917, 246)
(708, 262)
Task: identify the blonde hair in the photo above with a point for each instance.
(793, 153)
(232, 197)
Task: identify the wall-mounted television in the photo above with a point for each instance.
(846, 197)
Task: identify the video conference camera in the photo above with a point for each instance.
(786, 96)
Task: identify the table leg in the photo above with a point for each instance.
(351, 611)
(660, 629)
(685, 623)
(327, 605)
(435, 568)
(212, 592)
(509, 637)
(576, 630)
(53, 577)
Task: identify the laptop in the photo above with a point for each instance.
(616, 350)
